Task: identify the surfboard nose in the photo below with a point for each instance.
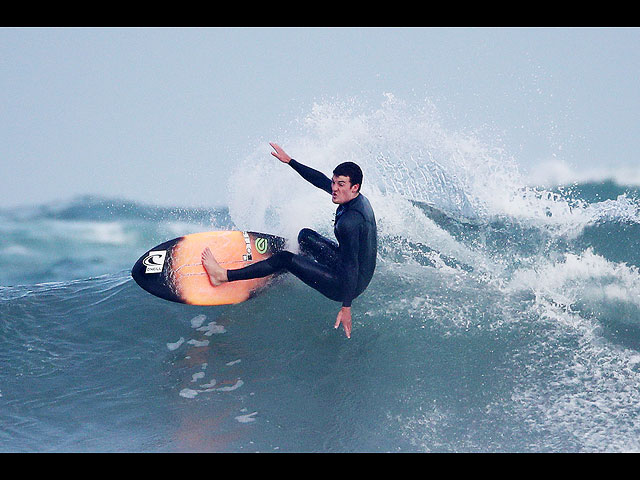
(173, 270)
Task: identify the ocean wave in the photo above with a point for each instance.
(501, 317)
(92, 207)
(553, 173)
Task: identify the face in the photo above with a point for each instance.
(342, 191)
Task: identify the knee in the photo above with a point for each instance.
(304, 234)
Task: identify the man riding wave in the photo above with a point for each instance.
(340, 271)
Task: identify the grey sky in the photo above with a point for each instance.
(161, 115)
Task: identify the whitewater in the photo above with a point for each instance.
(504, 316)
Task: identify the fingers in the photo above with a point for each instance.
(277, 149)
(347, 328)
(279, 153)
(346, 323)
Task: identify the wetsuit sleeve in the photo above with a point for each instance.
(312, 176)
(349, 252)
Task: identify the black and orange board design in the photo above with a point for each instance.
(173, 270)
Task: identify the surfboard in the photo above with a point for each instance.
(173, 270)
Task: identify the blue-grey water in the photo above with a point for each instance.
(502, 316)
(530, 343)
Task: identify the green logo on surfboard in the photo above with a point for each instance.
(261, 245)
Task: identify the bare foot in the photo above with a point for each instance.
(217, 274)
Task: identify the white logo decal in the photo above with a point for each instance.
(247, 241)
(154, 261)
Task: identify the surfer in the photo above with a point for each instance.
(340, 271)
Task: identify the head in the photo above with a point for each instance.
(346, 182)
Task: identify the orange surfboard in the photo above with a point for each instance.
(173, 270)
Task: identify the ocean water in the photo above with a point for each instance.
(503, 316)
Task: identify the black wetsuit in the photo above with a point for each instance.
(339, 271)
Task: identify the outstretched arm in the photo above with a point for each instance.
(316, 178)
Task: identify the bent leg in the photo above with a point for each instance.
(317, 276)
(322, 249)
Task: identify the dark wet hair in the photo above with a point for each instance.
(351, 170)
